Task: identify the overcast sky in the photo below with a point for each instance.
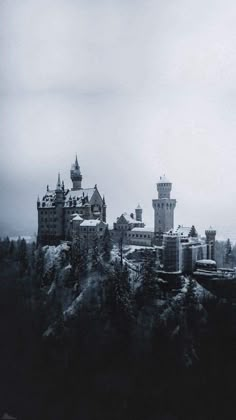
(136, 88)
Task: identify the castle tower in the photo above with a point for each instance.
(76, 176)
(139, 213)
(210, 241)
(164, 208)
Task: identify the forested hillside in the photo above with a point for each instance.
(85, 336)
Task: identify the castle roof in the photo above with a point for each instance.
(76, 217)
(130, 219)
(143, 229)
(210, 229)
(80, 197)
(164, 180)
(90, 222)
(186, 231)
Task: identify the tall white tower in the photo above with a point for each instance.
(164, 207)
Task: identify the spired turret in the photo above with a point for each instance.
(59, 192)
(76, 176)
(139, 213)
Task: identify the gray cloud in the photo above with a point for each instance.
(137, 89)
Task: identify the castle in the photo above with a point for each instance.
(58, 207)
(64, 214)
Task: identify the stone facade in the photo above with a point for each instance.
(182, 248)
(142, 236)
(125, 223)
(57, 206)
(172, 253)
(88, 230)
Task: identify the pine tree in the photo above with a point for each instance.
(79, 259)
(149, 289)
(12, 249)
(32, 258)
(39, 264)
(23, 256)
(191, 302)
(4, 248)
(228, 257)
(118, 298)
(107, 245)
(190, 296)
(95, 254)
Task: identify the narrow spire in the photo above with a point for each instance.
(59, 181)
(76, 162)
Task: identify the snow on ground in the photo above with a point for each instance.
(73, 308)
(53, 253)
(90, 283)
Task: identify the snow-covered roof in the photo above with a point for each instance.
(210, 229)
(78, 196)
(138, 207)
(143, 229)
(186, 231)
(164, 180)
(90, 222)
(210, 262)
(76, 217)
(130, 219)
(183, 230)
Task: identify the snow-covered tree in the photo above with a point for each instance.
(79, 259)
(23, 256)
(95, 254)
(228, 256)
(149, 289)
(106, 245)
(118, 298)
